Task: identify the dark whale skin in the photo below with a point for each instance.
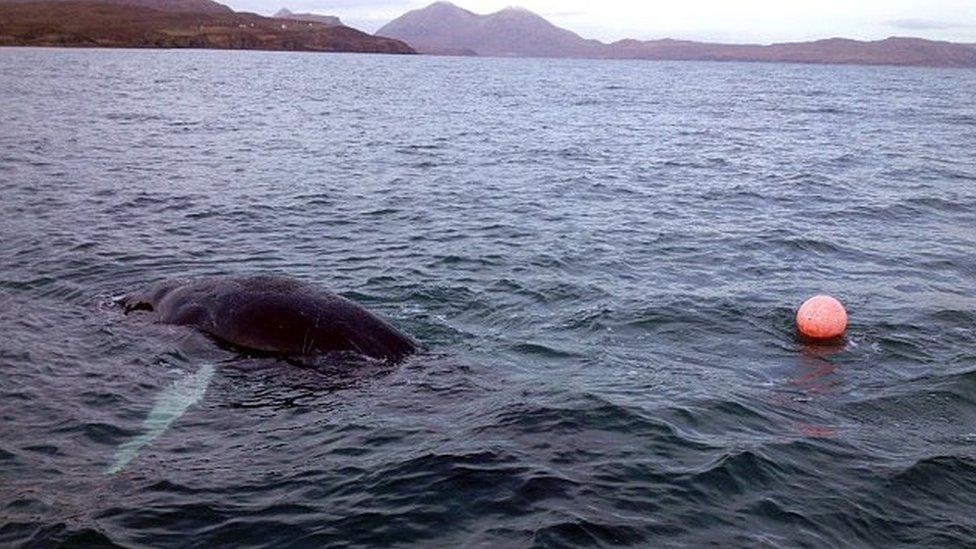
(272, 314)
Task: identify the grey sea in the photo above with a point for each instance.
(602, 261)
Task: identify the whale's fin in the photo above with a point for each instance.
(168, 407)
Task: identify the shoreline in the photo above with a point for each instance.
(417, 54)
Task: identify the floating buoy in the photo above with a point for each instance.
(821, 317)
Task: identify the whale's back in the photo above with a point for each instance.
(275, 314)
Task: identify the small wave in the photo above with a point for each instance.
(957, 317)
(63, 534)
(929, 410)
(808, 245)
(543, 351)
(771, 508)
(95, 431)
(719, 417)
(943, 485)
(936, 204)
(592, 416)
(826, 109)
(136, 117)
(586, 102)
(7, 457)
(382, 212)
(686, 315)
(733, 473)
(943, 476)
(580, 532)
(44, 450)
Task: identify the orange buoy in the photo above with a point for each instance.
(821, 317)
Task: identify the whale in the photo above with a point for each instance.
(271, 314)
(264, 313)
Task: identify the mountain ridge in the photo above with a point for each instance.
(510, 32)
(444, 27)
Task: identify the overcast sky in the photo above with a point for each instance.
(716, 20)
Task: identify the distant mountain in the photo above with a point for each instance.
(443, 28)
(172, 24)
(330, 20)
(890, 51)
(512, 32)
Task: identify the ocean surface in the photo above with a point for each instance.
(602, 260)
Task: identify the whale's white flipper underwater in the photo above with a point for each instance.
(169, 406)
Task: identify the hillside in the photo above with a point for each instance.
(172, 24)
(196, 6)
(890, 51)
